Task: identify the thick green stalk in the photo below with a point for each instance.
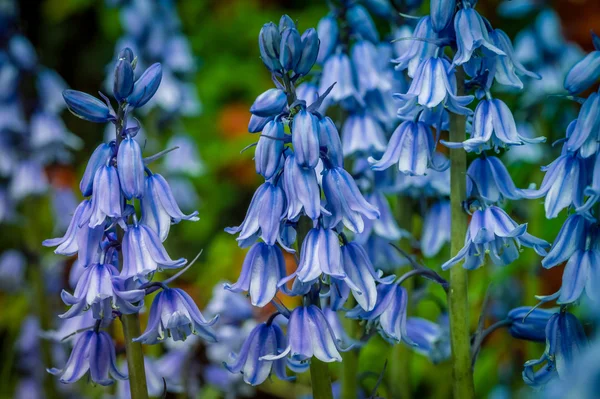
(458, 301)
(319, 377)
(135, 357)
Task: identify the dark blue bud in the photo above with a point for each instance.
(123, 84)
(290, 49)
(146, 86)
(269, 103)
(269, 148)
(286, 22)
(583, 74)
(257, 123)
(126, 54)
(310, 51)
(361, 23)
(130, 166)
(328, 35)
(100, 157)
(529, 324)
(269, 40)
(442, 12)
(87, 107)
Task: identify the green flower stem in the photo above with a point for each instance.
(458, 295)
(319, 377)
(135, 357)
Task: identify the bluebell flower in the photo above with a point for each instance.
(491, 231)
(389, 314)
(106, 197)
(159, 207)
(471, 34)
(436, 228)
(488, 178)
(412, 52)
(369, 76)
(329, 138)
(265, 339)
(508, 67)
(262, 269)
(257, 123)
(565, 342)
(269, 40)
(144, 253)
(124, 79)
(571, 238)
(130, 166)
(344, 200)
(145, 86)
(338, 69)
(264, 214)
(583, 133)
(301, 190)
(586, 72)
(290, 49)
(362, 134)
(309, 334)
(328, 32)
(429, 339)
(442, 12)
(411, 147)
(361, 23)
(87, 107)
(493, 127)
(310, 51)
(305, 138)
(336, 326)
(267, 157)
(529, 323)
(385, 226)
(174, 314)
(98, 289)
(271, 102)
(93, 352)
(563, 185)
(308, 92)
(434, 83)
(582, 271)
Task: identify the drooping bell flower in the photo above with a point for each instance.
(263, 268)
(491, 231)
(106, 197)
(582, 271)
(386, 225)
(174, 314)
(328, 32)
(361, 23)
(267, 157)
(573, 236)
(338, 70)
(436, 228)
(583, 134)
(305, 138)
(130, 166)
(487, 177)
(442, 12)
(362, 134)
(417, 50)
(93, 352)
(301, 190)
(429, 339)
(587, 71)
(265, 339)
(369, 75)
(508, 67)
(100, 157)
(329, 138)
(471, 34)
(529, 324)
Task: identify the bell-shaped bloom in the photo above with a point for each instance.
(411, 147)
(583, 136)
(338, 70)
(310, 51)
(572, 237)
(361, 23)
(124, 79)
(429, 339)
(362, 134)
(159, 207)
(264, 214)
(309, 334)
(471, 34)
(290, 48)
(565, 342)
(361, 277)
(529, 323)
(582, 271)
(345, 201)
(267, 156)
(98, 289)
(271, 102)
(106, 197)
(269, 40)
(320, 254)
(436, 228)
(174, 314)
(388, 315)
(329, 138)
(385, 226)
(93, 352)
(100, 157)
(305, 138)
(262, 269)
(442, 12)
(487, 177)
(265, 339)
(369, 75)
(307, 92)
(563, 185)
(301, 190)
(144, 253)
(412, 54)
(434, 83)
(493, 127)
(87, 107)
(584, 73)
(130, 166)
(507, 68)
(491, 231)
(146, 86)
(328, 32)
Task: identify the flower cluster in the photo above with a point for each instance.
(119, 254)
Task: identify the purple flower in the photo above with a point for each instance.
(106, 197)
(320, 254)
(159, 207)
(265, 339)
(572, 237)
(263, 267)
(507, 67)
(264, 214)
(174, 313)
(581, 272)
(93, 352)
(305, 138)
(487, 177)
(436, 228)
(471, 34)
(412, 54)
(301, 190)
(582, 134)
(491, 231)
(130, 166)
(144, 253)
(344, 200)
